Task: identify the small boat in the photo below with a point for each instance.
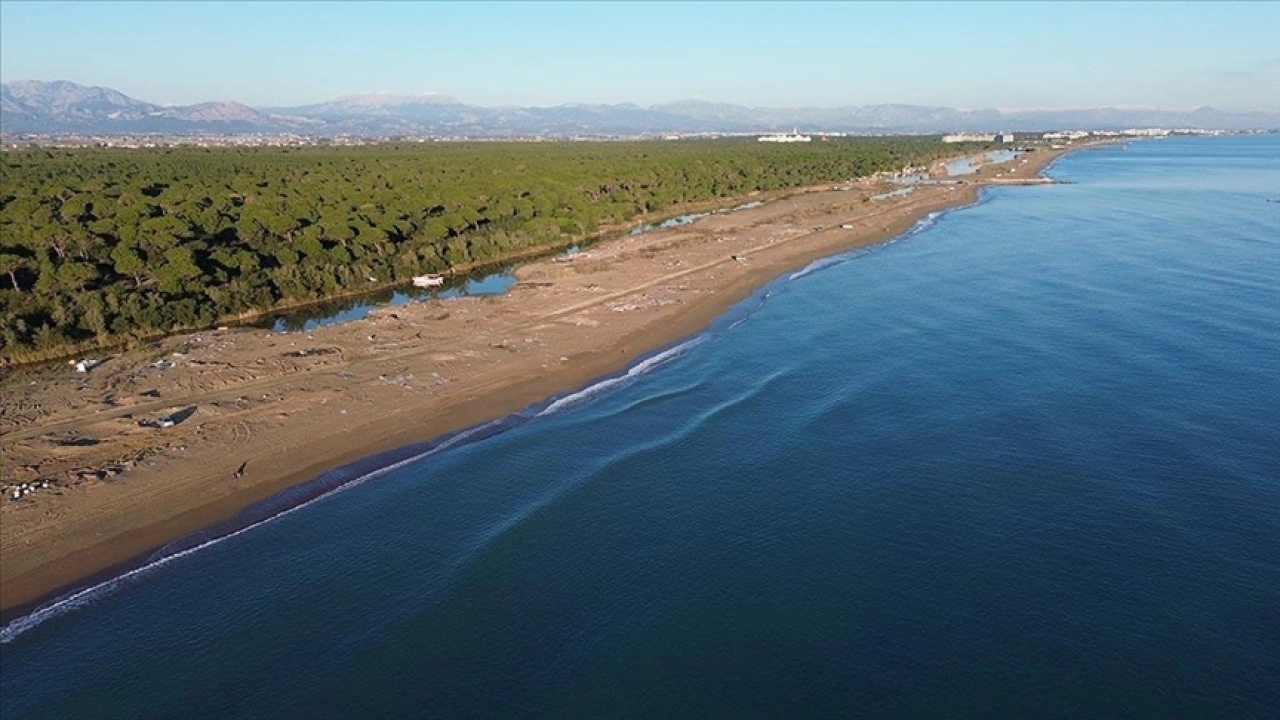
(428, 280)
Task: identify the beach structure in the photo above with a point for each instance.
(428, 280)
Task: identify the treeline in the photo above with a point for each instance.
(101, 245)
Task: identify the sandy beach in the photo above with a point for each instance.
(256, 412)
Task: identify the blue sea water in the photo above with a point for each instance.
(1023, 462)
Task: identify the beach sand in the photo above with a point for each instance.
(286, 406)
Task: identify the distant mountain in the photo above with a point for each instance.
(65, 104)
(371, 103)
(216, 112)
(65, 107)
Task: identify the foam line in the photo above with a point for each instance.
(637, 370)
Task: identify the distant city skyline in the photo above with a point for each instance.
(995, 55)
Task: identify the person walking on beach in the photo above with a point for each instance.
(240, 470)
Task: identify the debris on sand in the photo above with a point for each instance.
(168, 421)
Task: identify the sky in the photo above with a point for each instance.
(1004, 55)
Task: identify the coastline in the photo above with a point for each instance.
(564, 325)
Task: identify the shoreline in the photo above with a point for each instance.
(95, 530)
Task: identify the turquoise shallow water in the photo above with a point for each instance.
(1020, 463)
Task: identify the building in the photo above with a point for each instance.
(793, 137)
(1066, 135)
(968, 137)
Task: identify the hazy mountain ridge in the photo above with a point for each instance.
(62, 106)
(66, 107)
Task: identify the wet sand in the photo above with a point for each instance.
(284, 407)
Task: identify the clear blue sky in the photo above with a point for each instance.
(1006, 55)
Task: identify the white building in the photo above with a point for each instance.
(1066, 135)
(793, 137)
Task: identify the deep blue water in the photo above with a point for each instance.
(1024, 462)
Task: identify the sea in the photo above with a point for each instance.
(1020, 462)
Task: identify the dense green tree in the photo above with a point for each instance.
(10, 264)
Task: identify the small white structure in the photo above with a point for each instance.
(424, 281)
(1006, 137)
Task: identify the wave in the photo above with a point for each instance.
(817, 265)
(920, 226)
(548, 500)
(747, 309)
(635, 371)
(923, 224)
(655, 397)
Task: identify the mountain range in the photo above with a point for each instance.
(66, 107)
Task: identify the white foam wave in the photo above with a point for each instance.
(815, 266)
(86, 596)
(925, 222)
(921, 225)
(637, 370)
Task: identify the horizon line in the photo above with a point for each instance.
(455, 98)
